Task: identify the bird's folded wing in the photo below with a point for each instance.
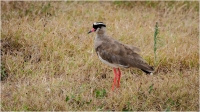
(124, 60)
(122, 55)
(113, 58)
(135, 49)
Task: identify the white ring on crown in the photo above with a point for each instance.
(97, 23)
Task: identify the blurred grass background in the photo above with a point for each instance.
(48, 61)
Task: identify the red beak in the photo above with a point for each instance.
(93, 30)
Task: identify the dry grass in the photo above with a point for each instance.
(48, 61)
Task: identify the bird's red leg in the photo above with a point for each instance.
(118, 77)
(115, 78)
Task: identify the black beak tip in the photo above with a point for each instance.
(89, 32)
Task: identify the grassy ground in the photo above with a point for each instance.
(48, 61)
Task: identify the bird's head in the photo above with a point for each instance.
(98, 27)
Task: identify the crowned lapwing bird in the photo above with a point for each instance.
(115, 54)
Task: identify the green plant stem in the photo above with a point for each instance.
(155, 43)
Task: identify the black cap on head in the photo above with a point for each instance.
(98, 25)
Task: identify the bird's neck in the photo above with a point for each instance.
(100, 34)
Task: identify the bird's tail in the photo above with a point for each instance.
(148, 69)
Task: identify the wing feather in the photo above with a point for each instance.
(120, 54)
